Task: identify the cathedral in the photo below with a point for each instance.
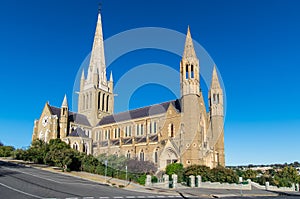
(180, 130)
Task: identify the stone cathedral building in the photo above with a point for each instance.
(176, 131)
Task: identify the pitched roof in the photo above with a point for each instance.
(140, 112)
(78, 133)
(73, 117)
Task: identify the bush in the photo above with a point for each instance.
(142, 179)
(6, 151)
(195, 170)
(175, 168)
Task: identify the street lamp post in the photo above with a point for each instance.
(126, 174)
(105, 162)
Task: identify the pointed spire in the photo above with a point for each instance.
(189, 51)
(111, 77)
(82, 75)
(97, 60)
(215, 80)
(65, 102)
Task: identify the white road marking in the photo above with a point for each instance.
(28, 194)
(87, 197)
(161, 196)
(118, 197)
(141, 197)
(59, 182)
(130, 196)
(103, 197)
(71, 198)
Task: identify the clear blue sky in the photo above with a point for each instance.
(255, 44)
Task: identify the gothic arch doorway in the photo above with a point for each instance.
(167, 157)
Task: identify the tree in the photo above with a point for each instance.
(249, 174)
(37, 152)
(286, 177)
(6, 151)
(136, 166)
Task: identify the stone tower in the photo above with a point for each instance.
(193, 108)
(216, 119)
(63, 121)
(96, 97)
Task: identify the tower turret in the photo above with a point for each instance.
(96, 93)
(215, 98)
(189, 68)
(63, 121)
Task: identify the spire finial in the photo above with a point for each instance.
(65, 102)
(99, 8)
(189, 51)
(111, 77)
(215, 79)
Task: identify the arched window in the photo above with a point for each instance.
(128, 154)
(187, 71)
(75, 146)
(90, 100)
(86, 101)
(83, 102)
(99, 102)
(142, 157)
(171, 130)
(216, 98)
(103, 98)
(85, 148)
(192, 71)
(156, 156)
(107, 101)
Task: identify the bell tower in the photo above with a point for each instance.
(215, 98)
(96, 98)
(63, 121)
(189, 69)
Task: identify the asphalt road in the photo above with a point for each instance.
(24, 182)
(18, 182)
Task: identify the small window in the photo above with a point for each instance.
(156, 156)
(187, 71)
(103, 99)
(192, 71)
(128, 154)
(99, 100)
(107, 103)
(171, 130)
(75, 146)
(142, 158)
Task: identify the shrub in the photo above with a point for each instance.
(175, 168)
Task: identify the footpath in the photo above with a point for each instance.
(182, 191)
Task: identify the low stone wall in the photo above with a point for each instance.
(217, 185)
(274, 188)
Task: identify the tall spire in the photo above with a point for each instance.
(65, 102)
(82, 75)
(97, 60)
(215, 80)
(111, 77)
(189, 51)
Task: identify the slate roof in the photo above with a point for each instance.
(73, 117)
(140, 112)
(78, 133)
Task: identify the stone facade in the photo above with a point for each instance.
(176, 131)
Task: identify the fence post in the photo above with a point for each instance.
(267, 185)
(199, 180)
(192, 180)
(175, 178)
(148, 181)
(166, 180)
